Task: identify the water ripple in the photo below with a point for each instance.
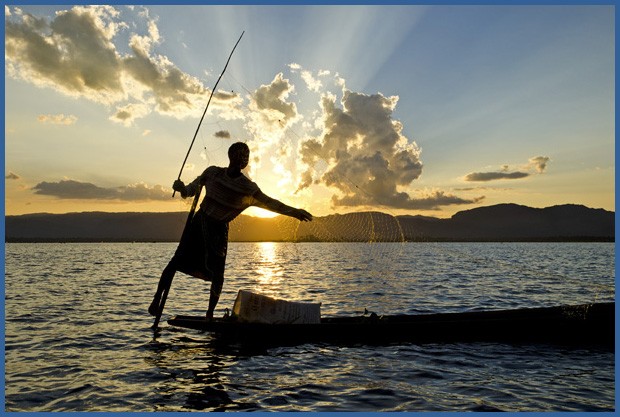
(78, 337)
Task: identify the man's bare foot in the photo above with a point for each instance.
(209, 315)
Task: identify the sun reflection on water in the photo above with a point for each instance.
(269, 268)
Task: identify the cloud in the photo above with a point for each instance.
(72, 53)
(537, 164)
(368, 157)
(127, 114)
(76, 53)
(269, 104)
(270, 114)
(312, 83)
(222, 134)
(75, 190)
(498, 175)
(229, 105)
(12, 176)
(481, 188)
(430, 201)
(57, 119)
(173, 91)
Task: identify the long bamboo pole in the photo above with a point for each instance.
(207, 106)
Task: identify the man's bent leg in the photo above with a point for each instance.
(164, 283)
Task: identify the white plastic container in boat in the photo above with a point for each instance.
(257, 308)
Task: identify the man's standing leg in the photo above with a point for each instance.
(214, 294)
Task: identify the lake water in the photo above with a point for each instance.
(78, 338)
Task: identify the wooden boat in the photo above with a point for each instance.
(588, 324)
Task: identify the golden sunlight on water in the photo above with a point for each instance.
(269, 270)
(92, 348)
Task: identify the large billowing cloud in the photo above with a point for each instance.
(76, 190)
(537, 164)
(369, 160)
(72, 53)
(75, 53)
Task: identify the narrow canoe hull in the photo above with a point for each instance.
(590, 324)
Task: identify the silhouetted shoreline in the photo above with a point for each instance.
(498, 223)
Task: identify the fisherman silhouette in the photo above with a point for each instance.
(202, 250)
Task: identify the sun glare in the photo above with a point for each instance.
(260, 212)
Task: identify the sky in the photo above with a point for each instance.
(420, 110)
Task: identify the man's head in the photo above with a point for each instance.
(239, 154)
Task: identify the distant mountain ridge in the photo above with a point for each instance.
(502, 222)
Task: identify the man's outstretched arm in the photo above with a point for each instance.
(279, 207)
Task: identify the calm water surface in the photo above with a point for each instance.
(78, 337)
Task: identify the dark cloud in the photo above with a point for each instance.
(492, 176)
(432, 201)
(12, 176)
(537, 164)
(222, 134)
(75, 190)
(123, 115)
(127, 114)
